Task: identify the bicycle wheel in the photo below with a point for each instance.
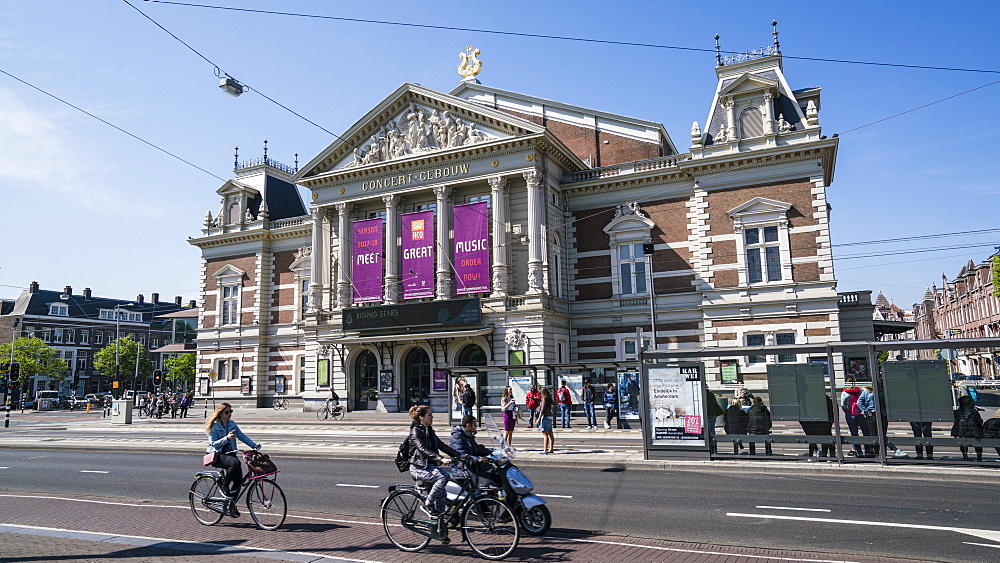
(398, 512)
(490, 528)
(266, 503)
(278, 404)
(205, 497)
(338, 413)
(323, 413)
(143, 412)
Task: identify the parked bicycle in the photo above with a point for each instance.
(143, 411)
(329, 410)
(265, 499)
(488, 525)
(280, 403)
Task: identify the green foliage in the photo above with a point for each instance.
(883, 356)
(995, 270)
(104, 360)
(180, 369)
(36, 358)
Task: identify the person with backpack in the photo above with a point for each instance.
(532, 400)
(852, 412)
(468, 400)
(425, 461)
(565, 401)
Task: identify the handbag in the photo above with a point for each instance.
(209, 458)
(261, 464)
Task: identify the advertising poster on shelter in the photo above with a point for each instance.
(520, 385)
(472, 248)
(675, 406)
(417, 265)
(366, 262)
(629, 395)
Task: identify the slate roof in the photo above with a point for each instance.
(37, 304)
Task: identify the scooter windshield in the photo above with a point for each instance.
(496, 436)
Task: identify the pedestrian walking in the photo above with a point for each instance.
(588, 405)
(546, 420)
(611, 405)
(565, 404)
(508, 406)
(759, 423)
(222, 435)
(735, 421)
(468, 400)
(185, 404)
(532, 400)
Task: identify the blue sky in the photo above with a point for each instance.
(88, 206)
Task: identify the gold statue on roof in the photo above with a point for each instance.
(470, 65)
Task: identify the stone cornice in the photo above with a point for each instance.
(258, 235)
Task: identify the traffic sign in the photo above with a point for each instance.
(949, 353)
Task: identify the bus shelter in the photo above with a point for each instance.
(915, 406)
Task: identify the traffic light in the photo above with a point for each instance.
(157, 378)
(15, 371)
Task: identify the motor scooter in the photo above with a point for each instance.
(532, 514)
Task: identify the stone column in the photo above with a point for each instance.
(315, 262)
(501, 236)
(536, 214)
(391, 254)
(731, 119)
(344, 255)
(445, 282)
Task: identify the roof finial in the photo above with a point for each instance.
(296, 162)
(236, 159)
(718, 53)
(777, 46)
(265, 150)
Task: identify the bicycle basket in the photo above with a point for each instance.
(260, 464)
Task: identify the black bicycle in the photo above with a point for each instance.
(265, 499)
(488, 525)
(328, 410)
(280, 403)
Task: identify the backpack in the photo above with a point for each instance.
(403, 455)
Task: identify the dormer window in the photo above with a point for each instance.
(751, 123)
(58, 310)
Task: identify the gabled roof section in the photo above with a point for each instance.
(760, 206)
(413, 104)
(749, 83)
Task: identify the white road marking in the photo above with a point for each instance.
(91, 471)
(556, 496)
(992, 535)
(702, 552)
(359, 486)
(4, 468)
(795, 508)
(981, 544)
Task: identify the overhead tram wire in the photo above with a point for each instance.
(108, 123)
(557, 37)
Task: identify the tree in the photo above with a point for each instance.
(104, 360)
(36, 358)
(180, 369)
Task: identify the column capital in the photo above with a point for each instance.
(442, 192)
(344, 208)
(316, 212)
(533, 177)
(497, 183)
(392, 200)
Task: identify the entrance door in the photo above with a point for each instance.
(417, 381)
(366, 382)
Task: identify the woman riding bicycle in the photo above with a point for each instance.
(424, 458)
(222, 434)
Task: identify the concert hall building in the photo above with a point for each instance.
(464, 234)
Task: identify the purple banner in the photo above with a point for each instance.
(366, 262)
(417, 266)
(472, 248)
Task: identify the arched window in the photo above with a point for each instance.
(233, 216)
(472, 355)
(751, 122)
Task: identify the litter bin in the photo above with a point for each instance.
(121, 411)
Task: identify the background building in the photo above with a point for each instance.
(471, 232)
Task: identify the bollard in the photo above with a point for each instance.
(6, 416)
(88, 407)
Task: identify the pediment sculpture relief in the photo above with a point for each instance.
(416, 131)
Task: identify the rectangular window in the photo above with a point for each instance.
(230, 297)
(766, 239)
(46, 335)
(234, 368)
(70, 336)
(785, 338)
(98, 337)
(154, 343)
(755, 340)
(480, 198)
(303, 297)
(632, 266)
(425, 207)
(84, 337)
(59, 310)
(57, 336)
(221, 371)
(302, 374)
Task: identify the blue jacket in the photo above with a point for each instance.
(611, 400)
(866, 402)
(217, 441)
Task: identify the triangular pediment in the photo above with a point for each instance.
(760, 206)
(414, 122)
(749, 83)
(229, 272)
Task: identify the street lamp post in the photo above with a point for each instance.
(118, 319)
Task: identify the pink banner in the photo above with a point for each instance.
(692, 424)
(366, 263)
(472, 248)
(417, 266)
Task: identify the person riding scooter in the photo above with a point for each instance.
(463, 440)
